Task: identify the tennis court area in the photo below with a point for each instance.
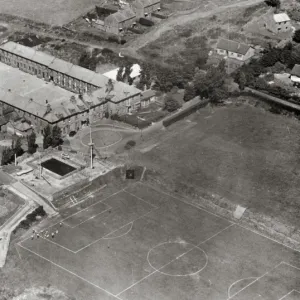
(140, 243)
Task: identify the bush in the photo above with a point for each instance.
(130, 144)
(146, 22)
(107, 51)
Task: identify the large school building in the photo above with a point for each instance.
(72, 95)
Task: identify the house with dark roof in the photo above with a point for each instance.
(144, 8)
(147, 97)
(120, 21)
(235, 50)
(295, 75)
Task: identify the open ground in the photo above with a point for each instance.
(242, 154)
(56, 12)
(140, 243)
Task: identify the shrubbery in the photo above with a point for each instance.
(130, 144)
(30, 218)
(146, 22)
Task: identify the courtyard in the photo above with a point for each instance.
(140, 243)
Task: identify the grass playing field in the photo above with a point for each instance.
(245, 154)
(140, 243)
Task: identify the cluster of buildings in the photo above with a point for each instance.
(117, 21)
(55, 92)
(237, 54)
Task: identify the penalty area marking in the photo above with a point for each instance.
(260, 277)
(229, 289)
(115, 237)
(62, 221)
(292, 291)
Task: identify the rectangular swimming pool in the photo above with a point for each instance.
(56, 166)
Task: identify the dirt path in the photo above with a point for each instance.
(180, 19)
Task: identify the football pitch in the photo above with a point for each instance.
(140, 243)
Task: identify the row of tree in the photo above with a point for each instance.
(16, 149)
(52, 138)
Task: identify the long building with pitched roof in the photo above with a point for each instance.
(59, 93)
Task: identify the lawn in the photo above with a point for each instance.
(56, 12)
(244, 154)
(139, 243)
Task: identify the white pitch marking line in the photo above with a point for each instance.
(156, 270)
(140, 198)
(286, 294)
(200, 207)
(115, 237)
(269, 238)
(58, 245)
(285, 263)
(258, 278)
(215, 234)
(183, 201)
(70, 272)
(92, 217)
(229, 289)
(96, 241)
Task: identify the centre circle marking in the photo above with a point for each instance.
(164, 249)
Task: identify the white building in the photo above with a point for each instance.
(279, 23)
(295, 75)
(135, 72)
(235, 50)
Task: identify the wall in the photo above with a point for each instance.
(191, 108)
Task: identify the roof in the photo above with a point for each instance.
(233, 46)
(60, 65)
(135, 71)
(120, 92)
(121, 15)
(282, 17)
(18, 49)
(147, 94)
(296, 70)
(145, 3)
(42, 58)
(81, 73)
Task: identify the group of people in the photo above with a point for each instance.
(45, 234)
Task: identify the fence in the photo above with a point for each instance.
(271, 99)
(190, 108)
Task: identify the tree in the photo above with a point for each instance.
(127, 73)
(31, 139)
(120, 74)
(18, 147)
(189, 92)
(7, 156)
(273, 3)
(47, 141)
(171, 104)
(56, 136)
(219, 94)
(296, 37)
(241, 80)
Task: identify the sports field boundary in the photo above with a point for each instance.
(258, 223)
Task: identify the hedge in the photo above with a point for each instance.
(184, 113)
(146, 22)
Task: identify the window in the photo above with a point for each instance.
(239, 55)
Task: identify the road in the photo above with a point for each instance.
(5, 178)
(179, 19)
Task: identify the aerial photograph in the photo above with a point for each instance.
(150, 150)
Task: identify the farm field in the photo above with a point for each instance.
(240, 153)
(56, 12)
(141, 243)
